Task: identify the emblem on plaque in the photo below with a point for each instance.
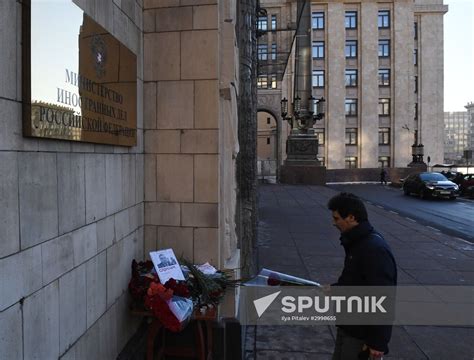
(99, 55)
(90, 96)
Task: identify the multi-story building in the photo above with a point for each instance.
(457, 136)
(470, 111)
(378, 64)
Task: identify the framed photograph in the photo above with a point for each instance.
(166, 265)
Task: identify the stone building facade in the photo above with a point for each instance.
(267, 132)
(457, 136)
(470, 111)
(379, 65)
(74, 215)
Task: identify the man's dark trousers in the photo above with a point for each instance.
(347, 347)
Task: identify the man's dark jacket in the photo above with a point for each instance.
(368, 262)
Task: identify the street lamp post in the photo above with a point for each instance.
(303, 122)
(302, 164)
(417, 152)
(302, 143)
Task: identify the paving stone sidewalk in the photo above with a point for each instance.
(294, 222)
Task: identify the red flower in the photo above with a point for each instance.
(157, 289)
(179, 288)
(171, 283)
(273, 280)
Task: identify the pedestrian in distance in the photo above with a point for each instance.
(383, 177)
(368, 262)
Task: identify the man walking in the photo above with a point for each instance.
(368, 262)
(383, 177)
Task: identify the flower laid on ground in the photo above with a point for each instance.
(173, 302)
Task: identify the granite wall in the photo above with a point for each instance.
(190, 120)
(72, 217)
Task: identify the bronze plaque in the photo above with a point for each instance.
(80, 82)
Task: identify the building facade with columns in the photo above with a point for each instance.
(75, 214)
(378, 64)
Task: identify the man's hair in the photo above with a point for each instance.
(348, 204)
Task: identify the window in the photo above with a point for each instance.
(273, 81)
(351, 77)
(273, 22)
(274, 51)
(268, 141)
(318, 49)
(351, 162)
(262, 23)
(268, 120)
(384, 136)
(262, 82)
(351, 19)
(351, 107)
(318, 78)
(320, 134)
(384, 48)
(384, 19)
(351, 136)
(351, 48)
(415, 57)
(416, 111)
(384, 161)
(317, 20)
(416, 84)
(384, 77)
(384, 107)
(262, 52)
(267, 81)
(415, 30)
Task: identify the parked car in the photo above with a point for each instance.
(466, 186)
(469, 192)
(452, 175)
(430, 184)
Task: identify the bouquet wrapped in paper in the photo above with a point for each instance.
(268, 277)
(173, 311)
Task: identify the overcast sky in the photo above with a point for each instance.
(458, 55)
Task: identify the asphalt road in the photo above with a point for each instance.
(455, 218)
